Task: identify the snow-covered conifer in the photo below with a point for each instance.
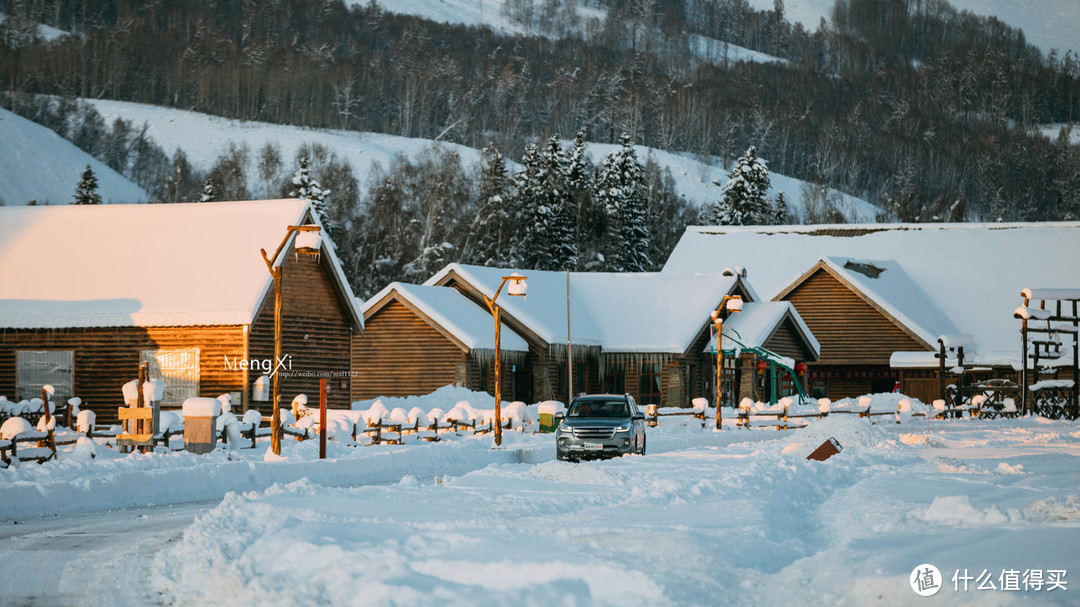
(621, 190)
(306, 187)
(87, 190)
(743, 201)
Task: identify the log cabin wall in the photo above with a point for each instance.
(315, 329)
(400, 354)
(851, 333)
(107, 358)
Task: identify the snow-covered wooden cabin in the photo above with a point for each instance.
(87, 293)
(419, 338)
(878, 297)
(646, 334)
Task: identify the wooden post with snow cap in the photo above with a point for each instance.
(275, 272)
(322, 418)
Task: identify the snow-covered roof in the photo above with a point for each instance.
(619, 312)
(467, 322)
(144, 264)
(757, 321)
(963, 278)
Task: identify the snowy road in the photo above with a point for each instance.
(98, 558)
(739, 517)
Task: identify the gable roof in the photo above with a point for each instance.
(619, 312)
(758, 321)
(971, 275)
(143, 265)
(885, 286)
(450, 313)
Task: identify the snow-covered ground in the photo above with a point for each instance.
(37, 164)
(736, 517)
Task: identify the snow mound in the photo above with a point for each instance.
(1050, 510)
(852, 432)
(958, 511)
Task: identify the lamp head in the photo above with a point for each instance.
(735, 304)
(517, 286)
(308, 239)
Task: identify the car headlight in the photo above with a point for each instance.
(623, 428)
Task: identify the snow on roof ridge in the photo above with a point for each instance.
(596, 317)
(824, 229)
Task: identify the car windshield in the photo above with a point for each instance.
(600, 408)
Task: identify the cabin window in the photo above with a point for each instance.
(36, 368)
(178, 368)
(614, 379)
(650, 384)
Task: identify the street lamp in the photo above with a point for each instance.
(517, 288)
(310, 245)
(733, 303)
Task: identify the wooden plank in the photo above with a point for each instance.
(136, 413)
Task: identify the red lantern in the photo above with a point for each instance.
(761, 366)
(800, 368)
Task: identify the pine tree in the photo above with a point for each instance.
(743, 201)
(490, 229)
(590, 217)
(306, 187)
(209, 191)
(524, 198)
(87, 190)
(557, 249)
(780, 211)
(621, 189)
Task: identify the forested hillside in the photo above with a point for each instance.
(926, 111)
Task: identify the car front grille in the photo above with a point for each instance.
(594, 433)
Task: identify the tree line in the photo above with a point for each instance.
(910, 104)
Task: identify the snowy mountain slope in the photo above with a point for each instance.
(37, 164)
(204, 137)
(1048, 24)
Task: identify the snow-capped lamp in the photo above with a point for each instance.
(308, 241)
(517, 286)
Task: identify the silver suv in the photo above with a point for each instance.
(600, 425)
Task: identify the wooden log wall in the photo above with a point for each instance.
(107, 358)
(849, 330)
(400, 354)
(316, 334)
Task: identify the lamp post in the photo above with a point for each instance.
(516, 289)
(311, 247)
(733, 303)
